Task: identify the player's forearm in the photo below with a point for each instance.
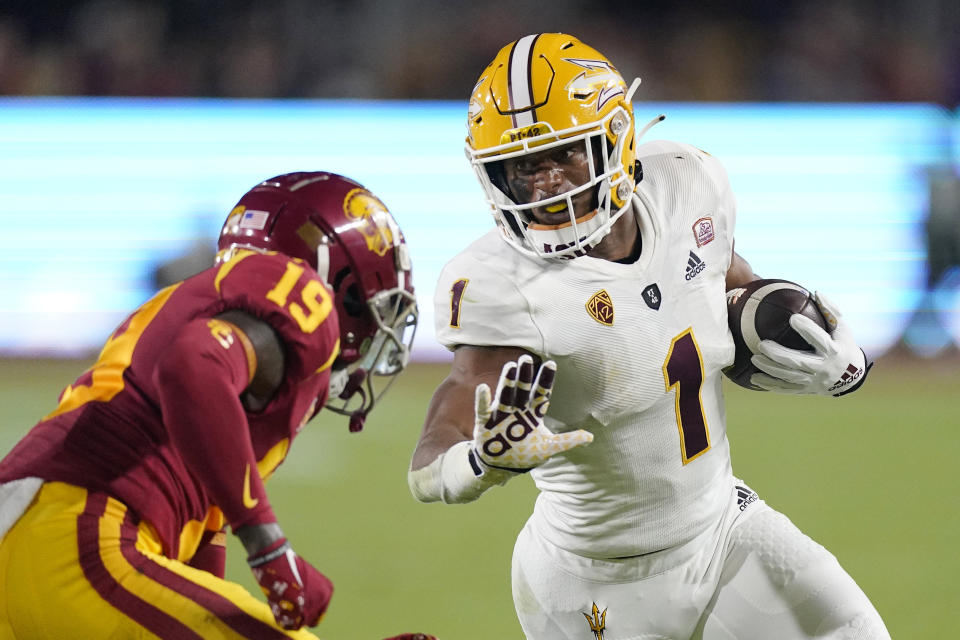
(200, 381)
(442, 468)
(454, 476)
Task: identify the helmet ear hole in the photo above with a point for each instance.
(338, 279)
(351, 298)
(353, 303)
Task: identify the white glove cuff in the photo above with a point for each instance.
(451, 478)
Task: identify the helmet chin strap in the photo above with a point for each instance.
(354, 384)
(344, 385)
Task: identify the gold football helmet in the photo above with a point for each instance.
(542, 91)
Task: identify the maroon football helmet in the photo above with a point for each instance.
(350, 238)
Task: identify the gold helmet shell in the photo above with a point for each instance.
(551, 89)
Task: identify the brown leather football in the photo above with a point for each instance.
(761, 311)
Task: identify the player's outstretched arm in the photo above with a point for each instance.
(469, 446)
(836, 366)
(212, 370)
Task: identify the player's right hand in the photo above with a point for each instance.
(509, 432)
(837, 366)
(297, 593)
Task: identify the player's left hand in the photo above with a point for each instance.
(297, 593)
(835, 367)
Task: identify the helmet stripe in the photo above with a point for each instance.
(520, 87)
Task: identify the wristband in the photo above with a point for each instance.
(271, 553)
(455, 476)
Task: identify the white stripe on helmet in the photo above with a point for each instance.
(521, 94)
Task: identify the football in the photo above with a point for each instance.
(761, 310)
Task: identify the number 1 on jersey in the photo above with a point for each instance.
(683, 369)
(456, 296)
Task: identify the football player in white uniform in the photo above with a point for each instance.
(601, 294)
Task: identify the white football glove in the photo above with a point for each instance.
(509, 433)
(835, 367)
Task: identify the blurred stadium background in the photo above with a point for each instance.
(129, 129)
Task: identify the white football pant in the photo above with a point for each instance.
(754, 576)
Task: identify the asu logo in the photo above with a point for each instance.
(372, 217)
(599, 77)
(597, 621)
(600, 307)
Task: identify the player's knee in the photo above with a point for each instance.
(844, 611)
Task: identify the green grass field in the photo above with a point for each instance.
(873, 477)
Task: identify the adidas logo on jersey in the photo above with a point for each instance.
(745, 496)
(694, 266)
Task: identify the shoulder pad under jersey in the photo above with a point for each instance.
(290, 296)
(478, 301)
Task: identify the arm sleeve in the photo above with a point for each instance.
(200, 380)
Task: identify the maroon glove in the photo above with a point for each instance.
(297, 593)
(412, 636)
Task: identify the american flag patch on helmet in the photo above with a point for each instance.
(253, 219)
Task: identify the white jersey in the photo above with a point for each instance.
(639, 351)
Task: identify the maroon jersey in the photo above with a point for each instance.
(157, 421)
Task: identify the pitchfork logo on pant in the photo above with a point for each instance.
(597, 621)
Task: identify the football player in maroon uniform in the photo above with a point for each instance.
(113, 508)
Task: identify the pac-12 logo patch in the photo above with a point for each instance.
(651, 295)
(703, 231)
(597, 621)
(600, 307)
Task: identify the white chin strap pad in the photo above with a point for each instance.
(551, 240)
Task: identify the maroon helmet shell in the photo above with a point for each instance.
(297, 213)
(349, 237)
